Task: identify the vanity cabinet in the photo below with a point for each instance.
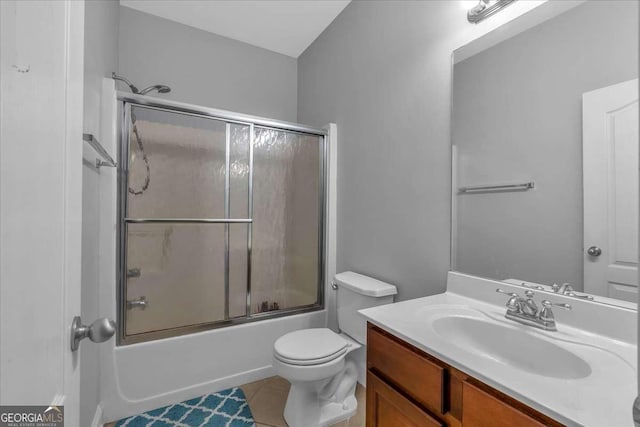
(407, 387)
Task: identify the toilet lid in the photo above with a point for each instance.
(310, 346)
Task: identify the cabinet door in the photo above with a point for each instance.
(388, 408)
(481, 409)
(408, 370)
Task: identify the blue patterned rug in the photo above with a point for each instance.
(226, 408)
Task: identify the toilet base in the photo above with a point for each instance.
(304, 410)
(333, 413)
(325, 402)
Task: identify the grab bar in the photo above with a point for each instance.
(501, 187)
(95, 144)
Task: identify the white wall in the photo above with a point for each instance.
(382, 72)
(101, 58)
(518, 116)
(206, 69)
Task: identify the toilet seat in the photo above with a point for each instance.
(311, 362)
(308, 347)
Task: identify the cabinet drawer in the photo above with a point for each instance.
(481, 409)
(409, 371)
(388, 408)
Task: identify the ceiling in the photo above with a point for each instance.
(283, 26)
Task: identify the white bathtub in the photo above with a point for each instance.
(140, 377)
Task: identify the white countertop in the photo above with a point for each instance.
(603, 398)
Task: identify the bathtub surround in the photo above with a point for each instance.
(206, 69)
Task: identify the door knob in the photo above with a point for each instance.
(99, 331)
(594, 251)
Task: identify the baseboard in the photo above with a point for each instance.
(97, 417)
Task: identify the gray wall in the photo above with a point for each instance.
(518, 116)
(381, 71)
(206, 69)
(100, 58)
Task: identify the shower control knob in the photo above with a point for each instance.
(594, 251)
(99, 331)
(138, 302)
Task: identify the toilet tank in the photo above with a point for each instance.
(356, 292)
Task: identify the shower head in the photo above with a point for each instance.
(134, 89)
(159, 88)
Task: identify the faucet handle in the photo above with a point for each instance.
(512, 294)
(512, 304)
(546, 314)
(548, 304)
(574, 295)
(536, 287)
(562, 289)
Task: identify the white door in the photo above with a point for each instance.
(41, 77)
(610, 177)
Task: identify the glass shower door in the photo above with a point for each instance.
(186, 176)
(287, 220)
(221, 221)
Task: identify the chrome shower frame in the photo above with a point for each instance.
(125, 101)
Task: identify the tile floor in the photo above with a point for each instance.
(267, 399)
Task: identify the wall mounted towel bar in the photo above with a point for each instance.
(501, 187)
(106, 160)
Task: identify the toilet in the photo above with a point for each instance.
(323, 366)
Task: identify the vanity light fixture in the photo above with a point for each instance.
(486, 8)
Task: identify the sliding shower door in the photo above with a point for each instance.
(286, 216)
(220, 222)
(184, 264)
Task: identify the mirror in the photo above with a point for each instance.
(545, 151)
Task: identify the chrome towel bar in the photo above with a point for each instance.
(106, 160)
(189, 220)
(501, 187)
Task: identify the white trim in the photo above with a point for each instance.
(58, 400)
(331, 223)
(97, 417)
(74, 116)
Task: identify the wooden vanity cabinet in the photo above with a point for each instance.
(407, 387)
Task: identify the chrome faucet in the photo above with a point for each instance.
(567, 289)
(525, 311)
(561, 289)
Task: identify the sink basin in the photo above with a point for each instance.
(512, 347)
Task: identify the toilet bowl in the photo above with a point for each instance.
(318, 362)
